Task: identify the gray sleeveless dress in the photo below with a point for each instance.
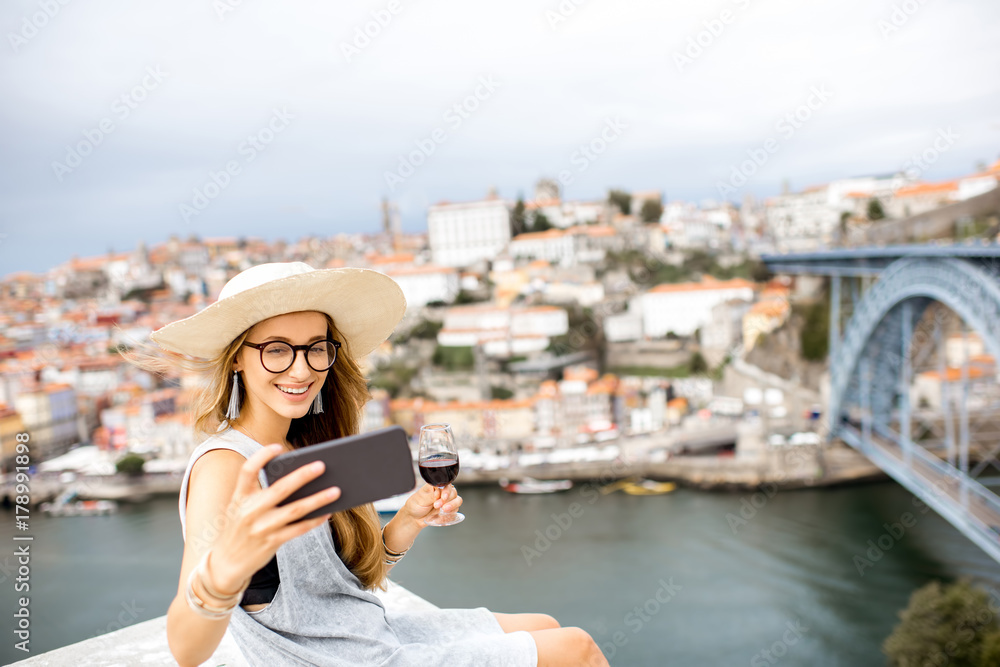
(322, 616)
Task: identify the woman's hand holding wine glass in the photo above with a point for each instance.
(438, 463)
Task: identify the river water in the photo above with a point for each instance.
(690, 578)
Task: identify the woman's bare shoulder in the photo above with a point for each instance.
(214, 474)
(218, 460)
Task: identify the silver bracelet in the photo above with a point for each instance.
(206, 576)
(198, 605)
(392, 557)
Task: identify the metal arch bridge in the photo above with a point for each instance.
(892, 295)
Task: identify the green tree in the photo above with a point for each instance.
(464, 297)
(651, 211)
(945, 624)
(131, 465)
(698, 364)
(875, 211)
(540, 223)
(815, 336)
(426, 329)
(759, 271)
(454, 358)
(621, 199)
(500, 393)
(394, 377)
(518, 221)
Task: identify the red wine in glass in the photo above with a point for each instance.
(438, 464)
(439, 471)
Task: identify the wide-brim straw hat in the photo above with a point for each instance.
(365, 306)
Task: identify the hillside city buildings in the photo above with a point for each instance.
(577, 321)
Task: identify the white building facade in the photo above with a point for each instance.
(422, 285)
(683, 308)
(810, 219)
(463, 234)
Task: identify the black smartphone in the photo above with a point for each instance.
(367, 467)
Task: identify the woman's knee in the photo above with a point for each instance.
(585, 648)
(545, 622)
(529, 622)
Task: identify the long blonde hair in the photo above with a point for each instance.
(356, 532)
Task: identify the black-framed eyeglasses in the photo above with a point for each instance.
(277, 356)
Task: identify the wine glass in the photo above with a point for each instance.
(438, 462)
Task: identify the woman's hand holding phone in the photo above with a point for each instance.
(254, 526)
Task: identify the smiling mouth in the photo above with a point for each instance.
(293, 392)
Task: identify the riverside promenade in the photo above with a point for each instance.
(146, 643)
(751, 462)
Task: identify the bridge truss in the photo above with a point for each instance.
(946, 451)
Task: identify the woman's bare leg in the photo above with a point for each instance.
(567, 647)
(528, 622)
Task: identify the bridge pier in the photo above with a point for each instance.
(834, 316)
(904, 384)
(963, 450)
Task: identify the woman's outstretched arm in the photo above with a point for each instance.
(426, 503)
(229, 513)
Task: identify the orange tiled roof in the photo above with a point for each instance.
(918, 189)
(424, 405)
(708, 283)
(953, 374)
(769, 308)
(538, 236)
(399, 258)
(414, 270)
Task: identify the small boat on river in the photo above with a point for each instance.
(530, 485)
(648, 487)
(67, 505)
(634, 486)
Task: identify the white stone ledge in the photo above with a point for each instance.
(145, 643)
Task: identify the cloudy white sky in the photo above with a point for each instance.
(225, 66)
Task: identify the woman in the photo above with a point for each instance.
(279, 347)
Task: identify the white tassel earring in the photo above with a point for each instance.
(234, 399)
(317, 406)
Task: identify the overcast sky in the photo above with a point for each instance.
(310, 118)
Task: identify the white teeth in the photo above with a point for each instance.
(288, 390)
